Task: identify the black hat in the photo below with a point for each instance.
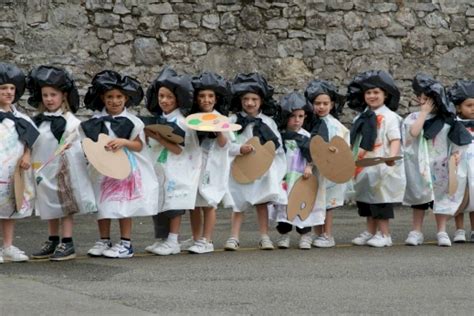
(460, 91)
(370, 80)
(291, 102)
(253, 83)
(216, 83)
(49, 76)
(318, 87)
(180, 85)
(12, 74)
(108, 80)
(423, 83)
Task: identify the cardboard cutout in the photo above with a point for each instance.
(334, 159)
(166, 132)
(368, 162)
(452, 174)
(302, 197)
(108, 163)
(19, 186)
(211, 122)
(248, 168)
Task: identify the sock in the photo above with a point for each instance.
(126, 242)
(173, 238)
(66, 239)
(106, 240)
(53, 238)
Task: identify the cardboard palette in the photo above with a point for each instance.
(368, 162)
(167, 132)
(334, 159)
(302, 197)
(248, 168)
(452, 176)
(108, 163)
(211, 122)
(19, 186)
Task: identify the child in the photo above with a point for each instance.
(170, 98)
(62, 186)
(252, 98)
(376, 133)
(294, 109)
(137, 195)
(211, 96)
(428, 137)
(327, 104)
(17, 136)
(462, 95)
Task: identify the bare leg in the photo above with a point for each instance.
(328, 223)
(125, 227)
(459, 221)
(53, 227)
(8, 229)
(384, 227)
(441, 221)
(371, 225)
(67, 222)
(209, 222)
(236, 223)
(262, 217)
(418, 216)
(195, 217)
(175, 225)
(104, 228)
(471, 219)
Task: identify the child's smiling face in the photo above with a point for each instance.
(52, 98)
(251, 103)
(466, 109)
(7, 94)
(206, 100)
(322, 105)
(374, 98)
(167, 100)
(296, 120)
(114, 101)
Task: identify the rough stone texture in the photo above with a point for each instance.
(287, 41)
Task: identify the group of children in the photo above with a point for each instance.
(168, 178)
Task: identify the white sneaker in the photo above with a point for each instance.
(14, 254)
(265, 243)
(155, 244)
(324, 241)
(231, 244)
(167, 248)
(379, 241)
(414, 238)
(305, 241)
(362, 239)
(119, 251)
(284, 241)
(201, 246)
(186, 244)
(443, 239)
(98, 249)
(460, 236)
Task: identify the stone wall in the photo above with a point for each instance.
(288, 41)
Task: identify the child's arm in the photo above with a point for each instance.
(221, 139)
(174, 148)
(426, 108)
(118, 143)
(308, 170)
(25, 160)
(395, 145)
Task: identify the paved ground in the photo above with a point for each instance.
(343, 280)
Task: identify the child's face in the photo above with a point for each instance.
(296, 120)
(251, 103)
(52, 98)
(206, 100)
(114, 101)
(322, 105)
(167, 100)
(466, 109)
(7, 94)
(374, 98)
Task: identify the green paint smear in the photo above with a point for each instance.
(194, 122)
(163, 157)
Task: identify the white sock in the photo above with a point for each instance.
(173, 238)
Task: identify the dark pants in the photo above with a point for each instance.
(376, 211)
(161, 222)
(285, 228)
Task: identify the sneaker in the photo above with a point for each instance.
(379, 241)
(443, 239)
(155, 244)
(232, 244)
(305, 242)
(459, 236)
(202, 246)
(46, 251)
(99, 248)
(284, 242)
(63, 252)
(14, 254)
(362, 239)
(119, 250)
(167, 248)
(265, 243)
(324, 241)
(186, 244)
(414, 238)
